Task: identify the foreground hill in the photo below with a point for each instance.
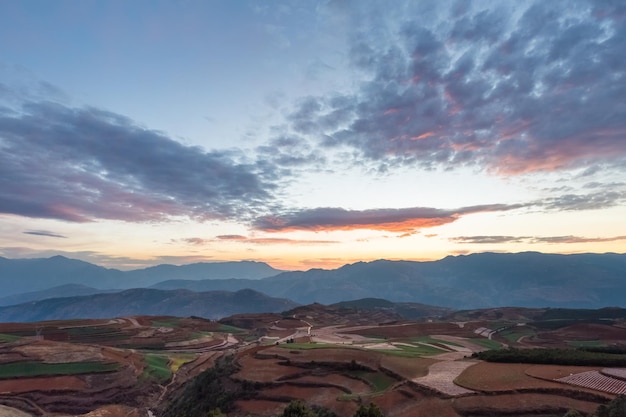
(213, 304)
(28, 275)
(335, 358)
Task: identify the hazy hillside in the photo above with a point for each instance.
(183, 303)
(203, 270)
(29, 275)
(67, 290)
(527, 279)
(409, 311)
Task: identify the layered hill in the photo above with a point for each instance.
(526, 279)
(484, 280)
(182, 303)
(29, 275)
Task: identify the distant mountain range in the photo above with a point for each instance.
(528, 279)
(484, 280)
(28, 275)
(142, 301)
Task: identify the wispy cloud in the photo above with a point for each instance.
(274, 241)
(489, 239)
(533, 239)
(196, 241)
(81, 164)
(44, 233)
(590, 201)
(514, 88)
(404, 220)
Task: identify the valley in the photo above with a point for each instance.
(332, 357)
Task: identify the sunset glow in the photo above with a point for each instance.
(313, 134)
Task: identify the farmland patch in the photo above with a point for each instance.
(57, 383)
(32, 369)
(521, 404)
(597, 381)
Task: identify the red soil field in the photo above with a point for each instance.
(521, 404)
(417, 329)
(290, 323)
(57, 383)
(587, 331)
(493, 377)
(346, 355)
(408, 368)
(322, 396)
(556, 371)
(264, 370)
(355, 386)
(113, 411)
(423, 407)
(260, 408)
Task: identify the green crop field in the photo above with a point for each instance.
(307, 346)
(513, 334)
(486, 343)
(412, 351)
(172, 322)
(157, 367)
(432, 340)
(225, 328)
(8, 338)
(32, 369)
(379, 381)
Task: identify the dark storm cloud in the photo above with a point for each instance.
(44, 233)
(513, 87)
(80, 164)
(394, 220)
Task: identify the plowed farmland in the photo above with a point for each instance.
(134, 365)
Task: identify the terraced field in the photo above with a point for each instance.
(407, 369)
(596, 381)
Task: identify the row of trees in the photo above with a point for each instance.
(300, 409)
(554, 357)
(615, 408)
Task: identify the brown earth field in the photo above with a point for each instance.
(418, 329)
(507, 377)
(60, 383)
(155, 357)
(588, 331)
(79, 366)
(521, 405)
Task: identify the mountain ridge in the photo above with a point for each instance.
(146, 301)
(483, 280)
(19, 276)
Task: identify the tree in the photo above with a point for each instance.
(298, 409)
(572, 413)
(216, 412)
(371, 410)
(615, 408)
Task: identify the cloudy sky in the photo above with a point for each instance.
(310, 134)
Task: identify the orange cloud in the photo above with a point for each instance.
(274, 241)
(423, 136)
(404, 220)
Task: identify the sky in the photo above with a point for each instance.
(310, 134)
